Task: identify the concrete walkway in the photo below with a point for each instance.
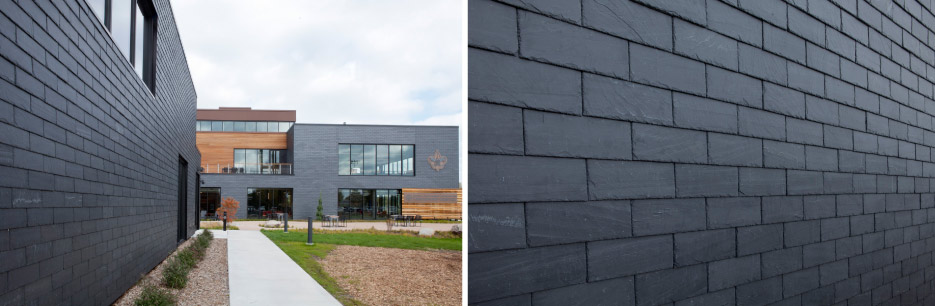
(255, 225)
(261, 274)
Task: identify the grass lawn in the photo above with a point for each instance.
(230, 227)
(369, 238)
(307, 256)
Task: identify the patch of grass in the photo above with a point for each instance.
(230, 227)
(370, 238)
(307, 256)
(154, 296)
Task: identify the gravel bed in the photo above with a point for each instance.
(372, 275)
(207, 282)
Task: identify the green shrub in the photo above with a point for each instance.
(175, 274)
(154, 296)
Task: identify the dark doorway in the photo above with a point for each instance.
(182, 230)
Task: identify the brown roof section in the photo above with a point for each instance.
(245, 114)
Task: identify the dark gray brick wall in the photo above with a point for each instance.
(701, 152)
(88, 156)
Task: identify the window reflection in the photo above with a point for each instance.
(122, 12)
(358, 159)
(369, 203)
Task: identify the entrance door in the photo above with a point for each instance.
(182, 230)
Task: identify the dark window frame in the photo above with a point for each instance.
(151, 22)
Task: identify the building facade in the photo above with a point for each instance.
(270, 164)
(97, 149)
(701, 152)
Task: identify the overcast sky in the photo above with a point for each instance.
(359, 62)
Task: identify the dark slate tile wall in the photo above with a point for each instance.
(88, 156)
(701, 152)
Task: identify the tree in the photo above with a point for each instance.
(230, 206)
(319, 215)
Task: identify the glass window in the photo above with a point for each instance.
(370, 156)
(209, 202)
(120, 21)
(205, 125)
(239, 126)
(216, 126)
(263, 202)
(240, 158)
(138, 38)
(251, 127)
(344, 159)
(383, 154)
(273, 127)
(407, 160)
(261, 126)
(198, 126)
(395, 159)
(284, 126)
(251, 162)
(100, 9)
(228, 126)
(395, 208)
(357, 158)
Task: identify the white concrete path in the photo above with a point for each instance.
(261, 274)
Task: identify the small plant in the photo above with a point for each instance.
(389, 224)
(319, 214)
(176, 274)
(154, 296)
(230, 206)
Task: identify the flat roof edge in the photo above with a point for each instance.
(384, 125)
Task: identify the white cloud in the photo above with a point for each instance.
(333, 61)
(373, 62)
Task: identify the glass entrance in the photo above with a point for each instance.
(209, 201)
(368, 204)
(261, 202)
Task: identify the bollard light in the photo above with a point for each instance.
(309, 242)
(225, 221)
(285, 223)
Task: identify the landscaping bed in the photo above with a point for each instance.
(206, 282)
(370, 267)
(385, 276)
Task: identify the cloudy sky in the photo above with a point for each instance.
(359, 62)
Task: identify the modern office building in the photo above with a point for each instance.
(270, 164)
(97, 153)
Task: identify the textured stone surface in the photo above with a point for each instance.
(88, 155)
(780, 152)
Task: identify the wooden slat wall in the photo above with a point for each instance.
(218, 147)
(431, 210)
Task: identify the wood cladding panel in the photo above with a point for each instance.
(218, 147)
(432, 203)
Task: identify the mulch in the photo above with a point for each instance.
(384, 276)
(207, 283)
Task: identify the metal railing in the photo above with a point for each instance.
(261, 168)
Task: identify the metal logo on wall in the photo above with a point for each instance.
(437, 161)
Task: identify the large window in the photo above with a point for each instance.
(369, 203)
(209, 202)
(243, 126)
(261, 161)
(376, 159)
(132, 25)
(262, 202)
